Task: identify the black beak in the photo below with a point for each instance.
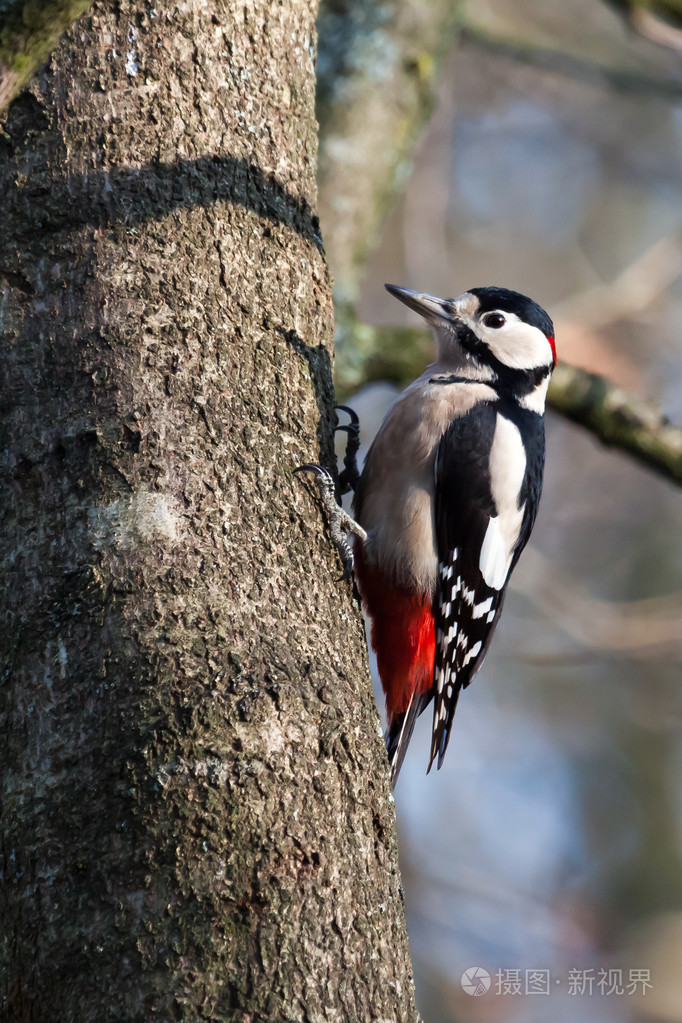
(434, 310)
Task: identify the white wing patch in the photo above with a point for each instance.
(507, 470)
(495, 557)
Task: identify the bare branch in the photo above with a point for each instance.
(656, 20)
(632, 628)
(356, 184)
(635, 288)
(624, 80)
(368, 354)
(618, 418)
(655, 29)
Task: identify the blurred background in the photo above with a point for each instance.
(547, 852)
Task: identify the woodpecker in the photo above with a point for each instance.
(446, 501)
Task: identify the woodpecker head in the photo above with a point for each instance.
(493, 327)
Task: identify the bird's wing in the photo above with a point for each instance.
(478, 545)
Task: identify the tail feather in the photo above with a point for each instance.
(440, 736)
(399, 732)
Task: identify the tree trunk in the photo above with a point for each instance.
(196, 817)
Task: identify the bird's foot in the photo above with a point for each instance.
(341, 525)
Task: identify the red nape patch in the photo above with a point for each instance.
(403, 635)
(552, 345)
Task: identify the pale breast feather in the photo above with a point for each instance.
(394, 499)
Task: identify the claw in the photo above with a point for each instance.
(351, 413)
(349, 476)
(340, 522)
(311, 467)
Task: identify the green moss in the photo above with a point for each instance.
(29, 32)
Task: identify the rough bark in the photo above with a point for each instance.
(196, 818)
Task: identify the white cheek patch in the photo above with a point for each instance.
(517, 344)
(507, 471)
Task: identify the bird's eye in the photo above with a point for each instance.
(495, 320)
